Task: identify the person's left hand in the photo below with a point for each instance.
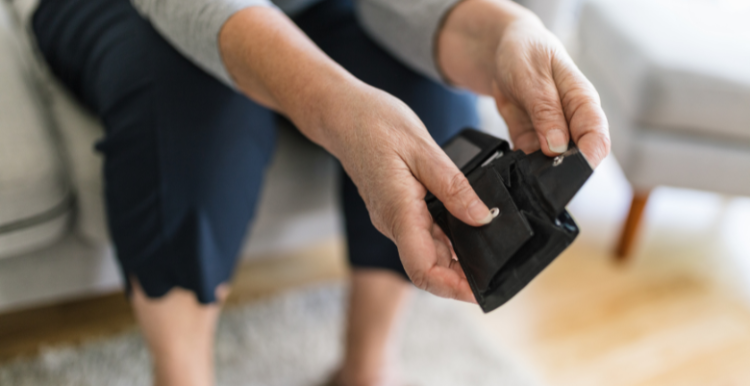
(543, 97)
(498, 48)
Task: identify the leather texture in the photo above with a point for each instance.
(531, 228)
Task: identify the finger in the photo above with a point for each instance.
(439, 174)
(521, 130)
(443, 249)
(588, 124)
(456, 266)
(446, 255)
(417, 250)
(538, 95)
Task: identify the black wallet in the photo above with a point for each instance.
(528, 195)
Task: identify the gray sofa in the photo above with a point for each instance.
(53, 239)
(674, 78)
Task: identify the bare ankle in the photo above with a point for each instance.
(379, 376)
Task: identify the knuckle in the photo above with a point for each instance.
(419, 279)
(605, 146)
(593, 94)
(580, 100)
(546, 110)
(456, 186)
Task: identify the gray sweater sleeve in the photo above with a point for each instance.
(406, 28)
(193, 26)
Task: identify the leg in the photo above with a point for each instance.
(632, 225)
(378, 278)
(376, 302)
(175, 325)
(379, 287)
(184, 160)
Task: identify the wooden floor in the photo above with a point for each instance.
(584, 321)
(588, 321)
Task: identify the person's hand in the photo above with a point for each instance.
(543, 97)
(498, 48)
(381, 143)
(393, 161)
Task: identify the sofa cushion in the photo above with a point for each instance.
(680, 66)
(35, 199)
(79, 130)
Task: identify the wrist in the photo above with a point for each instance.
(324, 110)
(275, 64)
(468, 41)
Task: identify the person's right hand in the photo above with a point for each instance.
(379, 140)
(393, 161)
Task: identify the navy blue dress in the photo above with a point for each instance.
(185, 154)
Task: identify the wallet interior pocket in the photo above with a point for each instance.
(483, 251)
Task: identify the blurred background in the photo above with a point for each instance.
(655, 291)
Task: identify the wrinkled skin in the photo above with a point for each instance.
(492, 47)
(540, 93)
(539, 90)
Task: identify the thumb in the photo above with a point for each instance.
(441, 177)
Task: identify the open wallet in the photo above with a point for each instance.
(527, 195)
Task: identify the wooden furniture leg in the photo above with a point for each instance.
(632, 224)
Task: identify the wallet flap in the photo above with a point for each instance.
(559, 178)
(482, 251)
(531, 227)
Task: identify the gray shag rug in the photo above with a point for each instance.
(294, 339)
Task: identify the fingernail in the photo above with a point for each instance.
(556, 141)
(479, 212)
